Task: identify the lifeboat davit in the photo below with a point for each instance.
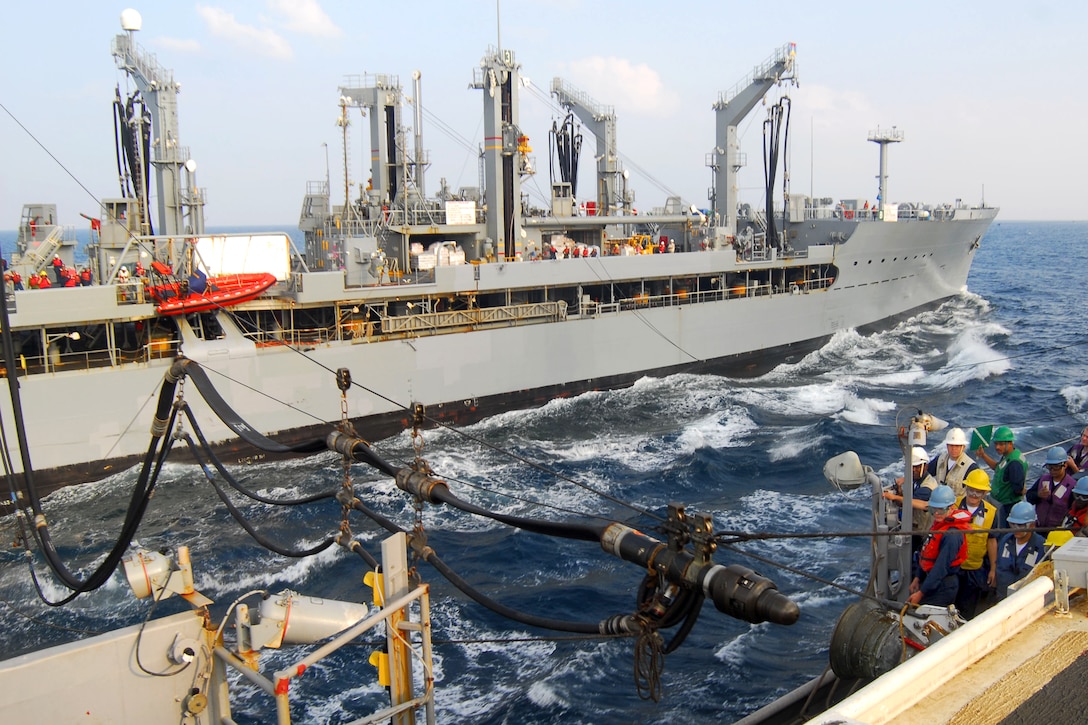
(203, 294)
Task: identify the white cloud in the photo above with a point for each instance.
(306, 17)
(631, 88)
(181, 45)
(264, 41)
(833, 103)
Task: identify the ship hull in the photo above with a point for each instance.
(84, 424)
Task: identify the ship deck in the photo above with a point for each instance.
(1035, 676)
(1022, 661)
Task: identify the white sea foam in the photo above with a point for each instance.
(796, 444)
(262, 570)
(1076, 396)
(735, 651)
(544, 694)
(970, 357)
(725, 429)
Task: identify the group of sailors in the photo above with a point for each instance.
(63, 276)
(959, 558)
(632, 247)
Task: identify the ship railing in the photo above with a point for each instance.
(295, 337)
(589, 308)
(421, 646)
(428, 217)
(414, 324)
(784, 54)
(132, 292)
(351, 227)
(55, 361)
(755, 253)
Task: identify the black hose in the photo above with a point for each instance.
(433, 490)
(233, 421)
(377, 518)
(141, 496)
(235, 484)
(692, 610)
(249, 528)
(501, 609)
(455, 579)
(355, 546)
(118, 119)
(770, 169)
(580, 532)
(145, 124)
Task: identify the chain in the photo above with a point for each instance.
(347, 493)
(419, 534)
(179, 404)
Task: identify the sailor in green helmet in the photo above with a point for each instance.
(1010, 472)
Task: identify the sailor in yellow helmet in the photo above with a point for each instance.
(979, 572)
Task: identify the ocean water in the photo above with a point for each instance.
(749, 452)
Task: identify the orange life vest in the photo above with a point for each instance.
(960, 520)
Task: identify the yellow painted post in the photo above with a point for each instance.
(395, 574)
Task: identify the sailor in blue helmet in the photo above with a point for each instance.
(1052, 492)
(944, 549)
(1018, 552)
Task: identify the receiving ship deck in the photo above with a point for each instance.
(1022, 661)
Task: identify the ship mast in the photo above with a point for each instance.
(505, 148)
(883, 138)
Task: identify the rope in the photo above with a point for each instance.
(649, 662)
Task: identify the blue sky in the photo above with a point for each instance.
(986, 93)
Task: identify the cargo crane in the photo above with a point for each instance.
(612, 195)
(730, 109)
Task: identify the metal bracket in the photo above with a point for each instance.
(1061, 591)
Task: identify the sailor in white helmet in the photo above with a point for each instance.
(923, 487)
(952, 466)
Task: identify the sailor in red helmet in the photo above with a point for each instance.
(936, 572)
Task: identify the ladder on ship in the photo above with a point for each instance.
(759, 218)
(404, 611)
(39, 256)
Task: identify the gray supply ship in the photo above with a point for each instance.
(464, 303)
